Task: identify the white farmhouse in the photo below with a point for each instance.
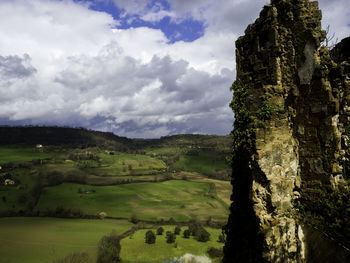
(9, 182)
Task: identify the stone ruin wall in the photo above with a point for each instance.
(298, 102)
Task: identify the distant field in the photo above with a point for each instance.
(135, 250)
(204, 163)
(187, 158)
(162, 150)
(223, 188)
(9, 154)
(126, 164)
(9, 195)
(179, 199)
(112, 180)
(41, 240)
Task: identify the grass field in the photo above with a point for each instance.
(9, 195)
(179, 199)
(36, 240)
(29, 240)
(126, 164)
(162, 150)
(13, 154)
(135, 250)
(33, 240)
(223, 188)
(203, 163)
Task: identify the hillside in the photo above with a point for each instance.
(72, 137)
(138, 183)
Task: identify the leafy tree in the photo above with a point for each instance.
(160, 231)
(202, 235)
(109, 249)
(170, 237)
(36, 190)
(221, 238)
(55, 178)
(215, 252)
(194, 227)
(134, 219)
(177, 230)
(150, 237)
(187, 233)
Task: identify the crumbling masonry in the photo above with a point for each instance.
(291, 135)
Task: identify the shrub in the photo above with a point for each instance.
(109, 249)
(170, 237)
(172, 221)
(187, 233)
(221, 238)
(74, 257)
(194, 227)
(215, 252)
(177, 230)
(160, 231)
(76, 178)
(36, 190)
(150, 237)
(134, 219)
(55, 178)
(202, 235)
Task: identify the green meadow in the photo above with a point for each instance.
(148, 180)
(134, 248)
(204, 163)
(127, 164)
(22, 154)
(179, 199)
(34, 240)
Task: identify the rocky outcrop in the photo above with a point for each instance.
(292, 110)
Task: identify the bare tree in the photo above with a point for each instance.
(329, 42)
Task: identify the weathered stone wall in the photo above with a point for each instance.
(292, 108)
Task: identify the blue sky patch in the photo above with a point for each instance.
(186, 30)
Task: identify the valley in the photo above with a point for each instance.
(61, 197)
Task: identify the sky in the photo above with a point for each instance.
(138, 68)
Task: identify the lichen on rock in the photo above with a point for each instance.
(292, 127)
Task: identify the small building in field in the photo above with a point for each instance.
(39, 147)
(9, 182)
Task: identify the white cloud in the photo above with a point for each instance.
(336, 14)
(62, 63)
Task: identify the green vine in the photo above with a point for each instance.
(241, 132)
(265, 112)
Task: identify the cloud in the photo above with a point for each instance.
(14, 67)
(336, 14)
(63, 63)
(161, 95)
